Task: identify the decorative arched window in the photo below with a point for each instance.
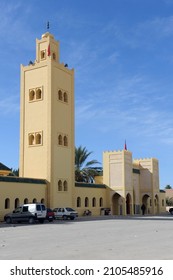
(94, 202)
(38, 138)
(65, 97)
(7, 203)
(16, 203)
(31, 139)
(31, 95)
(26, 201)
(34, 200)
(86, 202)
(78, 201)
(60, 95)
(101, 202)
(43, 54)
(59, 185)
(38, 93)
(60, 139)
(54, 56)
(65, 141)
(65, 186)
(43, 200)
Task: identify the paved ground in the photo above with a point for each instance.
(104, 238)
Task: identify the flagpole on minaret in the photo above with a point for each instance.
(125, 146)
(48, 49)
(48, 26)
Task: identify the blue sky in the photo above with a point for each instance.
(122, 53)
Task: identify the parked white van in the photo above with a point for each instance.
(27, 213)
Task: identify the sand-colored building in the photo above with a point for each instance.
(47, 150)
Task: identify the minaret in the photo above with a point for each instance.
(47, 122)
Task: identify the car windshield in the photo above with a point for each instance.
(17, 210)
(69, 209)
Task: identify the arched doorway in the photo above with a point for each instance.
(128, 204)
(146, 200)
(117, 204)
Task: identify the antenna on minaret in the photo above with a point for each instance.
(48, 25)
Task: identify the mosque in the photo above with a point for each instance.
(46, 167)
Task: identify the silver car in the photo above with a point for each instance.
(65, 213)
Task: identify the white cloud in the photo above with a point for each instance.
(9, 105)
(132, 104)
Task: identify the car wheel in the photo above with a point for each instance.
(71, 218)
(65, 217)
(31, 220)
(8, 220)
(171, 211)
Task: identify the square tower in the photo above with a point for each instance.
(47, 122)
(117, 166)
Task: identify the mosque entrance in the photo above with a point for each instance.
(117, 204)
(146, 200)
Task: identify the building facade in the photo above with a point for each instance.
(47, 150)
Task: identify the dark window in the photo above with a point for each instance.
(25, 208)
(43, 207)
(38, 207)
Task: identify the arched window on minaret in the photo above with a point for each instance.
(31, 95)
(60, 139)
(65, 186)
(54, 56)
(60, 95)
(31, 139)
(65, 141)
(38, 93)
(38, 138)
(59, 185)
(65, 97)
(43, 54)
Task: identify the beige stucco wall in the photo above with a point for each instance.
(21, 191)
(91, 192)
(162, 202)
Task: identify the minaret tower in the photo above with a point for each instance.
(47, 122)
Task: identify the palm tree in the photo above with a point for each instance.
(84, 171)
(168, 187)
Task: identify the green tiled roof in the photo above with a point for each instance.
(22, 180)
(88, 185)
(4, 167)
